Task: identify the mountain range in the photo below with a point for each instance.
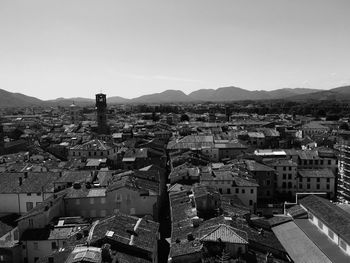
(225, 94)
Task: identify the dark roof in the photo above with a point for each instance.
(129, 230)
(135, 183)
(331, 215)
(4, 229)
(324, 173)
(75, 176)
(297, 211)
(34, 183)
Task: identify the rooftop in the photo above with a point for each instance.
(331, 215)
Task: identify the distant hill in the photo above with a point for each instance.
(9, 99)
(163, 97)
(236, 94)
(117, 100)
(340, 94)
(64, 102)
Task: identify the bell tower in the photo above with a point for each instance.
(101, 107)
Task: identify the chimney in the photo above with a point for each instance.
(20, 180)
(106, 253)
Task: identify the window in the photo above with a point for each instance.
(267, 193)
(228, 191)
(290, 168)
(29, 206)
(328, 180)
(318, 186)
(36, 259)
(77, 201)
(38, 194)
(329, 162)
(327, 186)
(289, 176)
(308, 180)
(103, 200)
(311, 217)
(53, 245)
(36, 245)
(316, 162)
(252, 191)
(300, 186)
(308, 186)
(330, 233)
(342, 244)
(320, 225)
(92, 213)
(284, 185)
(300, 179)
(284, 168)
(284, 176)
(318, 180)
(250, 202)
(237, 190)
(103, 213)
(321, 162)
(92, 201)
(243, 191)
(220, 190)
(25, 260)
(290, 185)
(118, 205)
(29, 194)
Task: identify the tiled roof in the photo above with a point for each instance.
(331, 215)
(4, 229)
(308, 155)
(75, 176)
(255, 166)
(225, 234)
(324, 173)
(34, 183)
(94, 145)
(129, 230)
(135, 183)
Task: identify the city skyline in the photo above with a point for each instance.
(52, 49)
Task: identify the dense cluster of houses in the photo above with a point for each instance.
(248, 188)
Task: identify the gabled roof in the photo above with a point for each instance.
(226, 234)
(93, 145)
(128, 230)
(331, 215)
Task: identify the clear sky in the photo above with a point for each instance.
(68, 48)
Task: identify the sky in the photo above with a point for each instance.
(76, 48)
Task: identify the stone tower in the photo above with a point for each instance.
(101, 107)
